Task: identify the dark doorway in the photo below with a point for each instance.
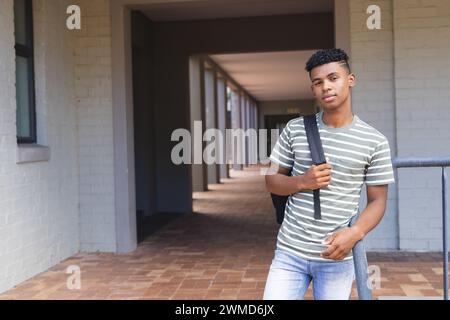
(277, 121)
(144, 135)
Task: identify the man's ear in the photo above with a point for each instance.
(352, 80)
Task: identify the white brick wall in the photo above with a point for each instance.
(7, 144)
(422, 78)
(373, 99)
(403, 91)
(95, 126)
(38, 201)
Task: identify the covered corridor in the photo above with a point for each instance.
(221, 251)
(109, 96)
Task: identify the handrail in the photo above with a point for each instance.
(421, 162)
(442, 162)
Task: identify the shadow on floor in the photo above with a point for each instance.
(146, 226)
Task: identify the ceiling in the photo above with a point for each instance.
(214, 9)
(269, 76)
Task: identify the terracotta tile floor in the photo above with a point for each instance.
(223, 251)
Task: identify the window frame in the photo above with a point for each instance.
(27, 52)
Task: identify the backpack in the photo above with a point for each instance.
(318, 157)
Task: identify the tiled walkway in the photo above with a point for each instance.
(223, 251)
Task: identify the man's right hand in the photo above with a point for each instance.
(317, 177)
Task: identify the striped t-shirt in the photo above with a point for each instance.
(358, 153)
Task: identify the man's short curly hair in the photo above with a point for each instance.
(326, 56)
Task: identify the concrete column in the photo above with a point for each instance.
(253, 141)
(196, 115)
(255, 122)
(342, 25)
(243, 123)
(247, 124)
(256, 116)
(252, 106)
(236, 116)
(221, 117)
(123, 135)
(210, 112)
(227, 125)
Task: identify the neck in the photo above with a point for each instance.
(339, 117)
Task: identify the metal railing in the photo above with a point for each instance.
(434, 162)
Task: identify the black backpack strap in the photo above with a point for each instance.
(359, 252)
(317, 154)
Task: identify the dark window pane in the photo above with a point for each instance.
(23, 98)
(20, 22)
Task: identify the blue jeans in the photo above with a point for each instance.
(289, 278)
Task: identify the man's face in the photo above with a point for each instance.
(331, 84)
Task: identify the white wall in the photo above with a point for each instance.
(95, 122)
(374, 99)
(38, 201)
(403, 91)
(422, 82)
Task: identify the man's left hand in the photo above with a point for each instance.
(340, 243)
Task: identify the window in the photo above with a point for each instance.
(25, 95)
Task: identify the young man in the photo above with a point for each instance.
(321, 250)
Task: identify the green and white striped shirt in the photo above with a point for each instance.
(357, 152)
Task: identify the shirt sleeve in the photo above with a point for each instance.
(282, 152)
(380, 170)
